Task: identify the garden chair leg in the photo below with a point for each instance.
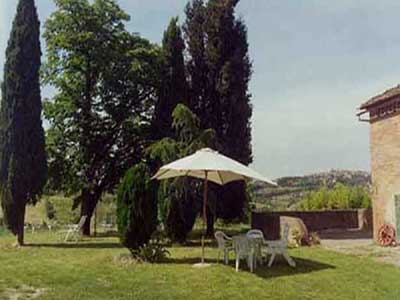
(290, 261)
(67, 236)
(271, 260)
(237, 264)
(226, 256)
(250, 262)
(77, 237)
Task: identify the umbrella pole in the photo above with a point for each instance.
(205, 195)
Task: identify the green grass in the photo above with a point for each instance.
(2, 231)
(88, 270)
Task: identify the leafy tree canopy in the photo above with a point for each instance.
(179, 199)
(106, 81)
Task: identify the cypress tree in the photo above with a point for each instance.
(136, 207)
(196, 66)
(219, 71)
(23, 167)
(173, 80)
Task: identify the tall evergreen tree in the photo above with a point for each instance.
(173, 88)
(23, 166)
(220, 70)
(197, 69)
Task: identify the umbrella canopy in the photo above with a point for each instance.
(219, 168)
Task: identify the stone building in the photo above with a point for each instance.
(383, 114)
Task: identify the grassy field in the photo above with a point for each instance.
(47, 269)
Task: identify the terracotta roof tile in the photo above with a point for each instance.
(386, 95)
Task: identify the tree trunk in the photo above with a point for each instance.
(214, 196)
(89, 201)
(210, 223)
(21, 224)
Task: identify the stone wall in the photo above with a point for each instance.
(314, 220)
(385, 169)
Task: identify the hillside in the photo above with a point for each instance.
(292, 189)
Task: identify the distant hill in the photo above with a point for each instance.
(292, 189)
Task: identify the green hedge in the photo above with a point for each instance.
(340, 197)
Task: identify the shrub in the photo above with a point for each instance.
(50, 210)
(296, 238)
(182, 211)
(136, 207)
(340, 197)
(154, 251)
(314, 239)
(63, 210)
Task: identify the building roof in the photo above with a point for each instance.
(386, 95)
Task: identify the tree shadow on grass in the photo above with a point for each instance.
(111, 233)
(281, 268)
(190, 261)
(82, 245)
(278, 269)
(197, 243)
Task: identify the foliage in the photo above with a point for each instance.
(314, 239)
(219, 71)
(62, 208)
(23, 166)
(106, 210)
(340, 197)
(173, 88)
(296, 238)
(106, 81)
(179, 199)
(136, 207)
(154, 251)
(50, 210)
(63, 215)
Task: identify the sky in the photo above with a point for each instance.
(315, 62)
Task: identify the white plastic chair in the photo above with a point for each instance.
(224, 245)
(257, 237)
(244, 248)
(255, 233)
(280, 247)
(74, 231)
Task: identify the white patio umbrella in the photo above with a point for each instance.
(209, 165)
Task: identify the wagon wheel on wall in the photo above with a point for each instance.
(387, 235)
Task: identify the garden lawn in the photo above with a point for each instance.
(89, 270)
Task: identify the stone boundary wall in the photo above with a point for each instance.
(314, 220)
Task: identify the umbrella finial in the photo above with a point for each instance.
(207, 150)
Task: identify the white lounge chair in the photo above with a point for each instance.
(280, 247)
(224, 245)
(73, 233)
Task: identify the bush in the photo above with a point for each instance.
(106, 210)
(63, 210)
(182, 210)
(314, 239)
(340, 197)
(154, 251)
(50, 210)
(136, 207)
